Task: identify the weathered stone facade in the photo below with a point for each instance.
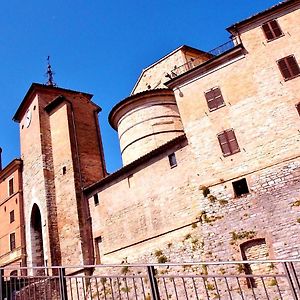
(191, 211)
(181, 195)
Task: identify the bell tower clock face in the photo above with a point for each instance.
(28, 118)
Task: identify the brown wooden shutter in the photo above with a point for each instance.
(218, 97)
(275, 28)
(224, 144)
(271, 30)
(267, 31)
(293, 65)
(233, 145)
(289, 67)
(228, 142)
(214, 98)
(210, 99)
(284, 68)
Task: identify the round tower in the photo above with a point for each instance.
(145, 121)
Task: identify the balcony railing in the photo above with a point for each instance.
(194, 62)
(278, 279)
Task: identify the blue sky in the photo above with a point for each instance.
(100, 47)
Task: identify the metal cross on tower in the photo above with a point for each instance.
(50, 74)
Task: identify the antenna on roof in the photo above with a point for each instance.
(50, 73)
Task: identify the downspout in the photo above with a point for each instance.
(238, 34)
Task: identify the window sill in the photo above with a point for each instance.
(241, 196)
(231, 153)
(275, 38)
(290, 78)
(214, 109)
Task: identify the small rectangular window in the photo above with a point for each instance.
(96, 199)
(214, 98)
(98, 242)
(12, 241)
(240, 187)
(12, 216)
(10, 186)
(298, 108)
(288, 67)
(272, 30)
(172, 160)
(228, 142)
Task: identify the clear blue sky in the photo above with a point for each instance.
(100, 47)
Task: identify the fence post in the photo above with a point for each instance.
(290, 280)
(294, 277)
(153, 283)
(1, 283)
(62, 284)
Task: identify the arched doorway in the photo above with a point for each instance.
(37, 249)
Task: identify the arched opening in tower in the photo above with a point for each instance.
(37, 248)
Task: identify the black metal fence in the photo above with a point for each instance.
(204, 280)
(194, 62)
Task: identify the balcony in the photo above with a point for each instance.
(194, 62)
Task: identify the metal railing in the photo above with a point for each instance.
(278, 279)
(194, 62)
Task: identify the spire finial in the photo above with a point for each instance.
(50, 73)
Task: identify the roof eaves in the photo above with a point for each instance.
(133, 165)
(170, 83)
(132, 97)
(35, 86)
(11, 167)
(182, 47)
(232, 28)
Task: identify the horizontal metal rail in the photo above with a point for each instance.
(267, 279)
(194, 62)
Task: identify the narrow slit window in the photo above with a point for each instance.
(272, 30)
(240, 187)
(12, 216)
(12, 241)
(98, 242)
(96, 199)
(288, 67)
(10, 186)
(172, 160)
(64, 170)
(214, 98)
(228, 142)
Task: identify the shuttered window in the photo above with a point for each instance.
(214, 98)
(228, 142)
(272, 30)
(288, 67)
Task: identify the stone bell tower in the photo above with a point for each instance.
(62, 153)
